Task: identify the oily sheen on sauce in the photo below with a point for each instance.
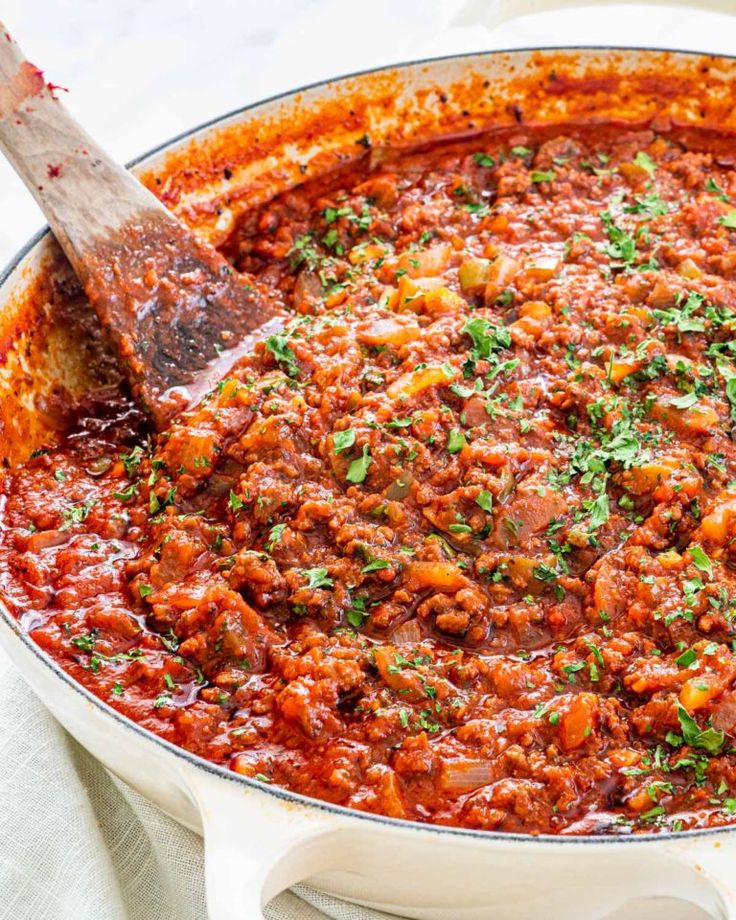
(456, 545)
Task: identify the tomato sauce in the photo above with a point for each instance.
(456, 544)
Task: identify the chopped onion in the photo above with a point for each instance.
(458, 776)
(724, 713)
(307, 290)
(400, 487)
(98, 466)
(508, 483)
(406, 633)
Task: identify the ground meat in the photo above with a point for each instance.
(456, 545)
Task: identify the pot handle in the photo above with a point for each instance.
(709, 872)
(494, 13)
(257, 845)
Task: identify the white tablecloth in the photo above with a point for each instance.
(76, 844)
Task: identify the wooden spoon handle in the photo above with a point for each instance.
(63, 167)
(172, 306)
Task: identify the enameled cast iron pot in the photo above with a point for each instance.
(259, 840)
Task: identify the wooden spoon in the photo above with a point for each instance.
(177, 313)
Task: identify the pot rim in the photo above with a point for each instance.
(486, 838)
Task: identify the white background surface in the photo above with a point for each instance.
(141, 71)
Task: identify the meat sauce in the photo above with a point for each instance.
(456, 544)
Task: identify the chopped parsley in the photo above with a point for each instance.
(700, 559)
(234, 503)
(357, 612)
(274, 536)
(621, 246)
(712, 186)
(484, 500)
(126, 494)
(728, 220)
(646, 162)
(317, 578)
(342, 440)
(376, 565)
(455, 441)
(486, 339)
(78, 513)
(358, 469)
(132, 461)
(279, 347)
(710, 739)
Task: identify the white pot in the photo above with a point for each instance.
(260, 840)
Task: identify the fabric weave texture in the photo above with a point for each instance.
(76, 843)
